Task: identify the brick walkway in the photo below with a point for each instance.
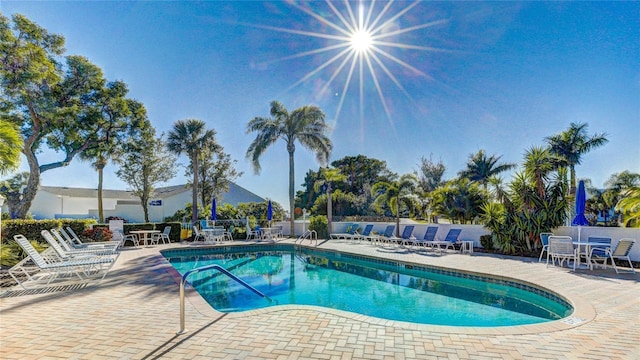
(134, 314)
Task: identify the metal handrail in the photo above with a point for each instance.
(309, 234)
(208, 267)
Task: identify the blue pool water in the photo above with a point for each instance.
(374, 287)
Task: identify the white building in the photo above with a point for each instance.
(65, 202)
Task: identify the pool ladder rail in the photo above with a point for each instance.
(183, 281)
(309, 234)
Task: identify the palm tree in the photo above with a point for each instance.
(572, 144)
(539, 163)
(629, 205)
(481, 168)
(10, 147)
(395, 193)
(328, 176)
(190, 136)
(306, 125)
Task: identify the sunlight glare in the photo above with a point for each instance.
(361, 41)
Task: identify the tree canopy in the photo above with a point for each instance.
(63, 104)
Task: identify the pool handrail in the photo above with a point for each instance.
(209, 267)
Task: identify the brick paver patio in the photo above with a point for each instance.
(134, 314)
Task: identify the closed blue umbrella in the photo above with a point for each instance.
(213, 210)
(581, 201)
(269, 212)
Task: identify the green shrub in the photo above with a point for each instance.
(487, 242)
(320, 224)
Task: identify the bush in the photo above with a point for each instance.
(487, 242)
(320, 224)
(98, 234)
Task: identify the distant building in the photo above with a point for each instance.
(65, 202)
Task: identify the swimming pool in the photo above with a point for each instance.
(376, 287)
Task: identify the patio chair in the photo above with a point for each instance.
(197, 235)
(449, 241)
(561, 249)
(544, 240)
(122, 238)
(622, 250)
(252, 233)
(75, 254)
(69, 244)
(163, 236)
(349, 233)
(387, 235)
(76, 243)
(366, 233)
(428, 238)
(407, 237)
(48, 271)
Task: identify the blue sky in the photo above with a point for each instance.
(498, 76)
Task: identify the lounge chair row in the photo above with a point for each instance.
(66, 260)
(429, 240)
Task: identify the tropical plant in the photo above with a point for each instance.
(516, 221)
(395, 194)
(539, 164)
(190, 136)
(572, 144)
(480, 168)
(10, 145)
(629, 206)
(459, 200)
(306, 125)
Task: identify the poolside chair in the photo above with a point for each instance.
(561, 249)
(387, 235)
(622, 250)
(349, 233)
(70, 244)
(252, 234)
(48, 271)
(163, 236)
(450, 241)
(75, 242)
(122, 238)
(407, 237)
(75, 254)
(366, 233)
(428, 238)
(544, 239)
(197, 235)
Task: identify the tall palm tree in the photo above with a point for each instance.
(481, 168)
(395, 193)
(572, 143)
(190, 136)
(306, 125)
(10, 147)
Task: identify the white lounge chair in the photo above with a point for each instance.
(348, 234)
(64, 254)
(76, 244)
(46, 271)
(620, 252)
